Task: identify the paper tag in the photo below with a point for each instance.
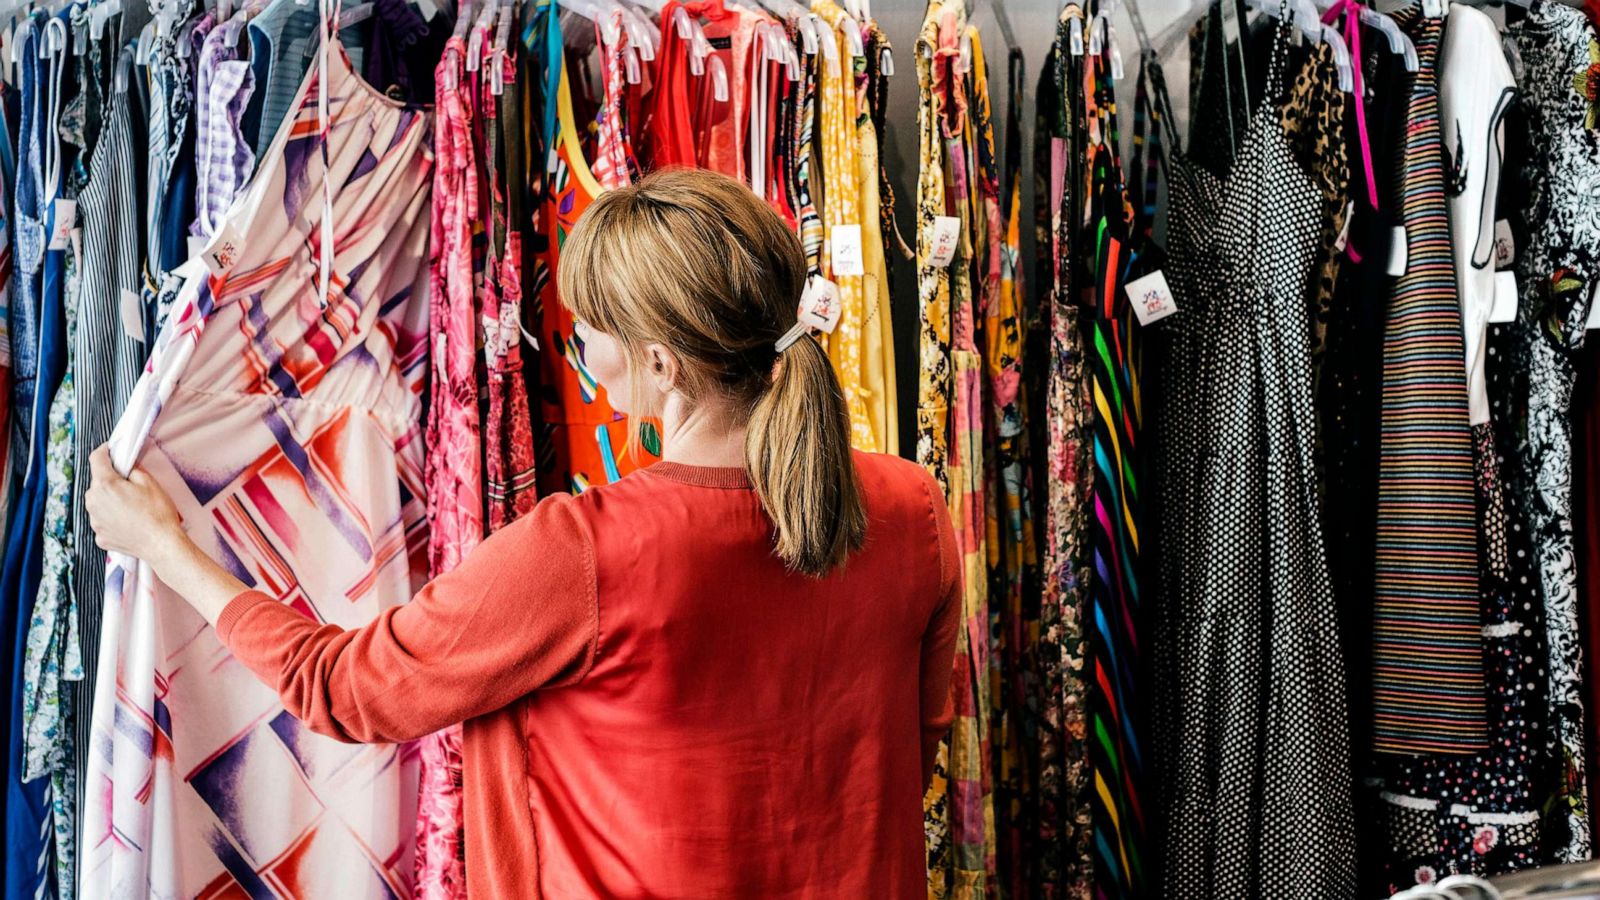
(1594, 310)
(1343, 240)
(946, 237)
(131, 309)
(1433, 9)
(1077, 37)
(1397, 251)
(66, 218)
(223, 252)
(1505, 245)
(1151, 297)
(1504, 308)
(819, 304)
(847, 253)
(1230, 21)
(428, 8)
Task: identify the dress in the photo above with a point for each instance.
(1250, 702)
(29, 805)
(841, 206)
(1532, 365)
(586, 441)
(1428, 689)
(109, 360)
(1066, 476)
(314, 497)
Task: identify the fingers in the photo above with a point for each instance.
(141, 478)
(100, 468)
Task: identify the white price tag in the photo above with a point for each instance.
(1397, 251)
(1434, 9)
(848, 258)
(819, 304)
(1343, 240)
(131, 310)
(1594, 310)
(66, 218)
(1504, 308)
(1077, 37)
(1151, 297)
(223, 252)
(1505, 245)
(946, 238)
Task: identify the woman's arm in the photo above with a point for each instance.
(518, 614)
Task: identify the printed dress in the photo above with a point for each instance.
(587, 441)
(1533, 367)
(286, 431)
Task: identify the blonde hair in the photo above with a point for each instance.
(694, 261)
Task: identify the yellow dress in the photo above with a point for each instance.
(840, 205)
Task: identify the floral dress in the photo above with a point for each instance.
(1532, 368)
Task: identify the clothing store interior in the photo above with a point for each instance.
(1245, 343)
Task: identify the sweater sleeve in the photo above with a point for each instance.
(939, 640)
(518, 614)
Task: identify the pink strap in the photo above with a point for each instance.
(1351, 10)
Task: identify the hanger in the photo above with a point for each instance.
(1138, 26)
(484, 22)
(1399, 42)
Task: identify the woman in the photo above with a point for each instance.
(714, 677)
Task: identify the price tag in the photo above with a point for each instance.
(819, 304)
(1397, 251)
(1344, 233)
(1434, 9)
(1076, 40)
(848, 258)
(65, 219)
(1505, 245)
(131, 310)
(946, 237)
(1594, 310)
(223, 252)
(1504, 308)
(1151, 296)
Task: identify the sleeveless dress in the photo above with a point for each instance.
(1250, 695)
(586, 441)
(286, 431)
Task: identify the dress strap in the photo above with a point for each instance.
(1350, 10)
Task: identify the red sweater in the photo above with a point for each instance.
(654, 705)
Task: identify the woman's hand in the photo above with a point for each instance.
(130, 515)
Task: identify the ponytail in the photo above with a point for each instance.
(797, 448)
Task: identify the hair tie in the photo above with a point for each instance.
(799, 331)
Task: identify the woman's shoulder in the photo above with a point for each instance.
(892, 482)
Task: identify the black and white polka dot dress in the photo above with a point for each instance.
(1252, 727)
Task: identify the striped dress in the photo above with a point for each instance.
(1427, 653)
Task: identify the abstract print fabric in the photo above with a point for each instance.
(285, 426)
(586, 440)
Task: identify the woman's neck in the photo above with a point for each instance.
(708, 435)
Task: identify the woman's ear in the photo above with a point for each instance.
(662, 367)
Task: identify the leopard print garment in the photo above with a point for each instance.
(1313, 122)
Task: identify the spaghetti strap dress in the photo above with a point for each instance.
(1250, 690)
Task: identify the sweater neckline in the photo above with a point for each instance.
(728, 477)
